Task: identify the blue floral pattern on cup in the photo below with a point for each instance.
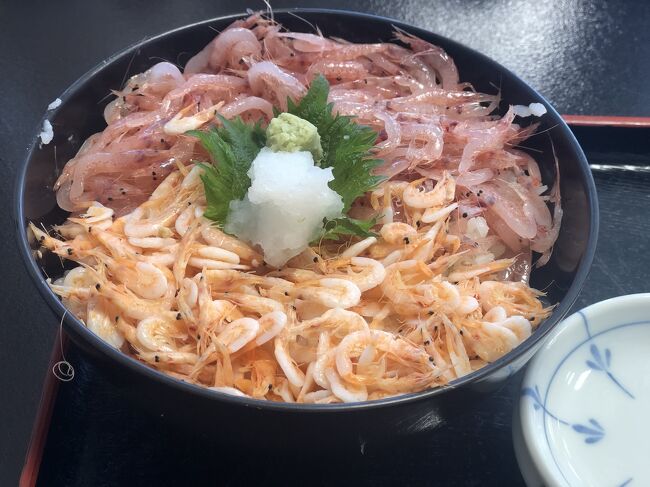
(593, 432)
(600, 364)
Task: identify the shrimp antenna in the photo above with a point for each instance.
(63, 370)
(397, 31)
(547, 130)
(128, 66)
(293, 14)
(126, 73)
(44, 271)
(269, 9)
(110, 93)
(532, 149)
(498, 88)
(56, 162)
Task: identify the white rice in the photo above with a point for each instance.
(286, 203)
(55, 104)
(47, 134)
(534, 109)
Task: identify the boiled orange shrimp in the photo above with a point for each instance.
(497, 334)
(516, 298)
(442, 194)
(100, 322)
(370, 273)
(331, 292)
(366, 345)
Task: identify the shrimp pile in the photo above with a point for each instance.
(416, 307)
(441, 290)
(428, 121)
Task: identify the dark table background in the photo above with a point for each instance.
(586, 57)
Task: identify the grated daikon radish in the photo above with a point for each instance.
(286, 203)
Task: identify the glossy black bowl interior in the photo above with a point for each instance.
(80, 115)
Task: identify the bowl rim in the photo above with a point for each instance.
(76, 327)
(539, 451)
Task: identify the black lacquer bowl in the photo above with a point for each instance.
(259, 422)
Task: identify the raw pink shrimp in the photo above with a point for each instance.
(435, 57)
(266, 79)
(226, 50)
(337, 70)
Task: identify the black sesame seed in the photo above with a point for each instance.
(526, 172)
(338, 78)
(427, 342)
(315, 259)
(293, 307)
(97, 286)
(465, 215)
(418, 223)
(117, 318)
(286, 293)
(461, 332)
(110, 199)
(153, 173)
(431, 359)
(270, 387)
(155, 178)
(532, 318)
(156, 358)
(42, 239)
(69, 251)
(430, 313)
(406, 240)
(178, 316)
